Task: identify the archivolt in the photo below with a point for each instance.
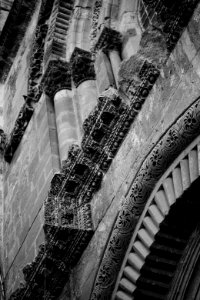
(177, 179)
(139, 200)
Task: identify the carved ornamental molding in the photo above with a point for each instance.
(169, 198)
(82, 66)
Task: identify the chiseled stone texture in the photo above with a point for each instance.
(176, 88)
(26, 184)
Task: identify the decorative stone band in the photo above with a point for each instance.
(56, 77)
(82, 66)
(177, 179)
(178, 137)
(55, 45)
(109, 40)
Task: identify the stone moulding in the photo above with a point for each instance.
(165, 200)
(67, 208)
(82, 66)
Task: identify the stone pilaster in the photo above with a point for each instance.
(83, 75)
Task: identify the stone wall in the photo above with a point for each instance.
(17, 81)
(26, 184)
(175, 90)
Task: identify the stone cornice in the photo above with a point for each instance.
(13, 32)
(82, 66)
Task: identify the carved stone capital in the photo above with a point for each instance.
(56, 77)
(82, 66)
(109, 39)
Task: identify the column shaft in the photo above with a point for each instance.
(65, 121)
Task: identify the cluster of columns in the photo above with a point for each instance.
(74, 103)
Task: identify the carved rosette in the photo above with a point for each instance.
(57, 77)
(109, 40)
(82, 66)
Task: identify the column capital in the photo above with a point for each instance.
(56, 77)
(82, 66)
(108, 40)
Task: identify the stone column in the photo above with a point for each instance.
(83, 76)
(110, 42)
(57, 85)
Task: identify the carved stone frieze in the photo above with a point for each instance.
(56, 77)
(82, 66)
(108, 40)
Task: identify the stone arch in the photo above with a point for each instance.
(153, 236)
(177, 138)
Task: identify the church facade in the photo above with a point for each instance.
(100, 149)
